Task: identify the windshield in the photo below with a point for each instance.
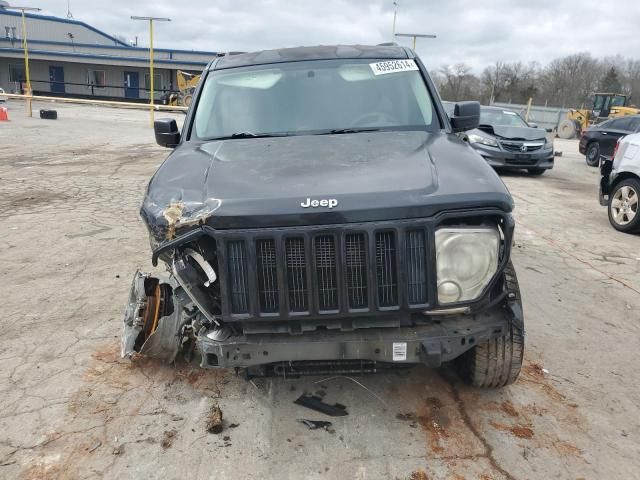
(501, 117)
(310, 97)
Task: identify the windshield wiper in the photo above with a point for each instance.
(338, 131)
(247, 135)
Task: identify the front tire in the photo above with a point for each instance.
(497, 362)
(593, 154)
(624, 206)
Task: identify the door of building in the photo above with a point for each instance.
(131, 85)
(56, 79)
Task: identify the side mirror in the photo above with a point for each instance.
(167, 133)
(466, 116)
(533, 125)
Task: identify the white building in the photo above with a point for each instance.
(71, 58)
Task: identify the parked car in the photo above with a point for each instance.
(506, 140)
(620, 184)
(3, 97)
(600, 140)
(318, 213)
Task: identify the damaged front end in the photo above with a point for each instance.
(165, 312)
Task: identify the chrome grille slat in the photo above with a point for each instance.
(356, 270)
(267, 275)
(238, 275)
(325, 263)
(416, 267)
(386, 269)
(296, 270)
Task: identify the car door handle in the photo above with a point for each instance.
(604, 133)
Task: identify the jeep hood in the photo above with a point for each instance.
(514, 133)
(262, 182)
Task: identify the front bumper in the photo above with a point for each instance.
(430, 344)
(496, 157)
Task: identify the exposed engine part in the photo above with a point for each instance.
(206, 267)
(220, 334)
(190, 279)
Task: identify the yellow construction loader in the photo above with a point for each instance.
(186, 86)
(605, 106)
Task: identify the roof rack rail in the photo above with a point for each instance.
(387, 44)
(234, 53)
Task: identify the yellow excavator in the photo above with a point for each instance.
(605, 106)
(187, 83)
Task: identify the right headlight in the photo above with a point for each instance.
(475, 138)
(467, 259)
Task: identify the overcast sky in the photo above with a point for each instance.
(475, 32)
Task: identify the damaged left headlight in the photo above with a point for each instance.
(467, 259)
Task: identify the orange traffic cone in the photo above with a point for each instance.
(4, 114)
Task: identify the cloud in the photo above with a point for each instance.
(477, 33)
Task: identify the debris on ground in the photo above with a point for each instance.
(315, 403)
(234, 425)
(508, 408)
(94, 446)
(419, 475)
(408, 417)
(214, 420)
(168, 438)
(315, 424)
(118, 450)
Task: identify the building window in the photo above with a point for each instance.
(96, 78)
(157, 80)
(16, 72)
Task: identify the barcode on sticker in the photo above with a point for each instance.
(393, 66)
(399, 351)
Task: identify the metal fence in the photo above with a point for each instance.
(545, 117)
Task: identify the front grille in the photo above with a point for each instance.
(314, 273)
(518, 146)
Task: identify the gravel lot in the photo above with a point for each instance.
(71, 238)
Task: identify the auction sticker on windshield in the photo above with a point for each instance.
(393, 66)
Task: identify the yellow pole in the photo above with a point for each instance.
(26, 64)
(414, 42)
(151, 65)
(526, 118)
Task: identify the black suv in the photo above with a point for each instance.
(319, 213)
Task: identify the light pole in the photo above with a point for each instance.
(26, 52)
(150, 20)
(414, 35)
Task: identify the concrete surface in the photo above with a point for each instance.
(70, 240)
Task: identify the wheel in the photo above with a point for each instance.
(593, 154)
(186, 100)
(623, 206)
(567, 129)
(536, 171)
(497, 362)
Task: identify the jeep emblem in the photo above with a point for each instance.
(324, 202)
